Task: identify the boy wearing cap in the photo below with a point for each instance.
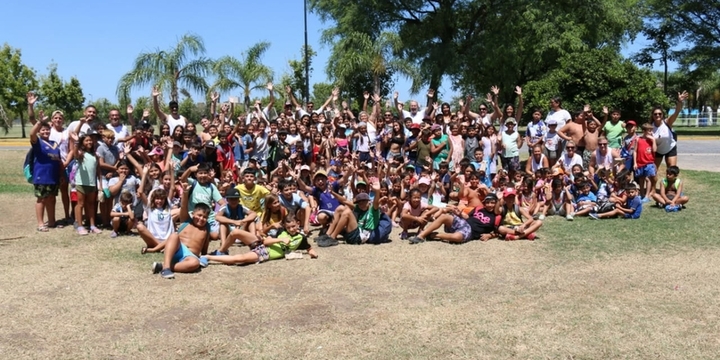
(225, 153)
(510, 143)
(235, 220)
(363, 223)
(321, 191)
(627, 152)
(613, 130)
(204, 191)
(296, 205)
(645, 161)
(551, 142)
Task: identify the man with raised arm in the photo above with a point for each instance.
(175, 118)
(415, 113)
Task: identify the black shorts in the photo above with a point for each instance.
(352, 237)
(139, 211)
(671, 153)
(123, 224)
(45, 191)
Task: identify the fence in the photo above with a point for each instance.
(696, 118)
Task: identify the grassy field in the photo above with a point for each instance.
(605, 289)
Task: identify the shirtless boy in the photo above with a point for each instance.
(575, 131)
(183, 249)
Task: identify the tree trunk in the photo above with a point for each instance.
(22, 124)
(376, 84)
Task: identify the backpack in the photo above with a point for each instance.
(28, 165)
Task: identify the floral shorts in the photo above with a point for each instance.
(44, 191)
(261, 252)
(459, 225)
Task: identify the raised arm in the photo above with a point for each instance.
(519, 112)
(366, 96)
(31, 99)
(156, 105)
(430, 108)
(129, 111)
(185, 202)
(678, 108)
(213, 103)
(270, 88)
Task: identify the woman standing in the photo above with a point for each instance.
(46, 170)
(663, 133)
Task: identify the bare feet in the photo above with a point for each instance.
(312, 253)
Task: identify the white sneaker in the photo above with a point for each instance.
(570, 217)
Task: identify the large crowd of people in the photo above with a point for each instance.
(263, 179)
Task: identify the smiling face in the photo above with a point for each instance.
(114, 116)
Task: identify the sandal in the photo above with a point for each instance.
(143, 251)
(42, 229)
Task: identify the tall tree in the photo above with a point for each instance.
(58, 94)
(16, 79)
(296, 78)
(179, 69)
(247, 73)
(694, 24)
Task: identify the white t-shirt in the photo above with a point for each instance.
(664, 138)
(60, 138)
(172, 122)
(417, 118)
(83, 130)
(121, 132)
(159, 223)
(510, 147)
(568, 163)
(562, 116)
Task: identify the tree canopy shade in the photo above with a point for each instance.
(16, 79)
(694, 25)
(247, 73)
(479, 43)
(178, 69)
(58, 94)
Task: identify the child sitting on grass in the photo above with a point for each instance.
(415, 213)
(630, 210)
(269, 248)
(122, 215)
(670, 196)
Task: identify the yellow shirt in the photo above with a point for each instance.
(254, 199)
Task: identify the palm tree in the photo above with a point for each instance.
(179, 69)
(246, 74)
(359, 52)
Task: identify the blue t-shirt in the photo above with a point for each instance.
(589, 197)
(190, 162)
(46, 167)
(294, 204)
(326, 201)
(634, 204)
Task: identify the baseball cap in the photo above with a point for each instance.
(232, 193)
(254, 158)
(362, 197)
(210, 144)
(631, 122)
(490, 197)
(510, 120)
(435, 127)
(304, 167)
(320, 173)
(509, 191)
(360, 182)
(415, 127)
(144, 124)
(424, 180)
(177, 143)
(551, 122)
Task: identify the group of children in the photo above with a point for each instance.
(263, 184)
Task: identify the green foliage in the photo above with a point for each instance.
(692, 24)
(247, 73)
(191, 110)
(296, 79)
(16, 80)
(321, 92)
(599, 78)
(104, 106)
(58, 94)
(180, 68)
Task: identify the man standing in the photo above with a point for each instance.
(174, 119)
(415, 113)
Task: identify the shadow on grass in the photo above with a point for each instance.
(656, 230)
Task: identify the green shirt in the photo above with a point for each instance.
(614, 134)
(207, 194)
(368, 220)
(278, 250)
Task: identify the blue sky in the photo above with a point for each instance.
(97, 41)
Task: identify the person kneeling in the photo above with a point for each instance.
(270, 248)
(631, 209)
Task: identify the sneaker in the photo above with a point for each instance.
(95, 230)
(219, 253)
(156, 267)
(416, 240)
(404, 235)
(645, 200)
(511, 237)
(204, 262)
(167, 274)
(326, 241)
(594, 216)
(532, 237)
(113, 235)
(541, 217)
(570, 217)
(81, 230)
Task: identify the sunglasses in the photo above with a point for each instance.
(483, 109)
(570, 148)
(657, 114)
(603, 144)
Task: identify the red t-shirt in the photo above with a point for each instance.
(645, 153)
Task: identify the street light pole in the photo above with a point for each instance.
(307, 59)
